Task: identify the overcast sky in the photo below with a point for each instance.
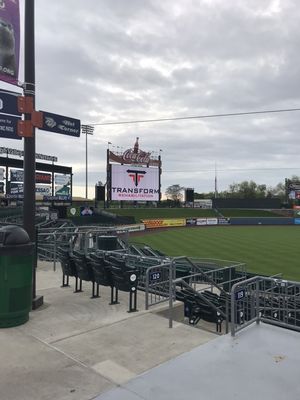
(121, 60)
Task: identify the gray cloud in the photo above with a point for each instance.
(102, 60)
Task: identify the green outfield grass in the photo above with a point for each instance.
(266, 250)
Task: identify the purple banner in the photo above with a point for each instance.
(9, 41)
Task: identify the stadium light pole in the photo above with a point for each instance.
(87, 130)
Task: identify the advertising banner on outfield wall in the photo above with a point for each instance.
(212, 221)
(191, 221)
(164, 223)
(223, 221)
(134, 183)
(201, 221)
(203, 203)
(10, 41)
(207, 221)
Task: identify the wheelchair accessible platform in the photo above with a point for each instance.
(262, 362)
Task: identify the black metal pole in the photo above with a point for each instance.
(159, 180)
(107, 180)
(86, 164)
(29, 142)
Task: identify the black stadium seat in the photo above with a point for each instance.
(68, 267)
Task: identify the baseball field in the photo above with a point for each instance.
(267, 250)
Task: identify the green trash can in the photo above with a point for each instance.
(16, 262)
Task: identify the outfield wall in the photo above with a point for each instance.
(189, 222)
(261, 221)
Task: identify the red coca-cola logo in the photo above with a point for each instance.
(141, 157)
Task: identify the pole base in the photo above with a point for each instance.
(37, 302)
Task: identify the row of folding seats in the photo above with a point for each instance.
(197, 307)
(279, 309)
(101, 270)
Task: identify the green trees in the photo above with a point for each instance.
(251, 190)
(174, 193)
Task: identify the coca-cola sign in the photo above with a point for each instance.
(141, 157)
(135, 156)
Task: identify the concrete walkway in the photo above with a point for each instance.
(261, 363)
(74, 347)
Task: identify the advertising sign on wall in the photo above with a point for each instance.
(42, 177)
(223, 221)
(134, 183)
(202, 203)
(60, 198)
(10, 41)
(1, 174)
(212, 221)
(164, 223)
(20, 153)
(134, 156)
(16, 188)
(191, 221)
(43, 190)
(17, 175)
(1, 187)
(62, 190)
(62, 180)
(201, 221)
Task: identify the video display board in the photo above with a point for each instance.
(134, 183)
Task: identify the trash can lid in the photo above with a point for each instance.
(13, 235)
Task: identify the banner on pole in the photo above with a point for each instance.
(10, 41)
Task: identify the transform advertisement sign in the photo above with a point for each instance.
(134, 183)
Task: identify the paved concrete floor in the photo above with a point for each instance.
(74, 347)
(261, 363)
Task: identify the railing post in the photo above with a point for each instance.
(147, 290)
(54, 253)
(233, 313)
(171, 294)
(257, 302)
(227, 315)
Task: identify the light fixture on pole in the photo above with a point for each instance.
(86, 130)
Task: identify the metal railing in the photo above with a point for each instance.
(82, 238)
(162, 279)
(272, 300)
(157, 285)
(197, 277)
